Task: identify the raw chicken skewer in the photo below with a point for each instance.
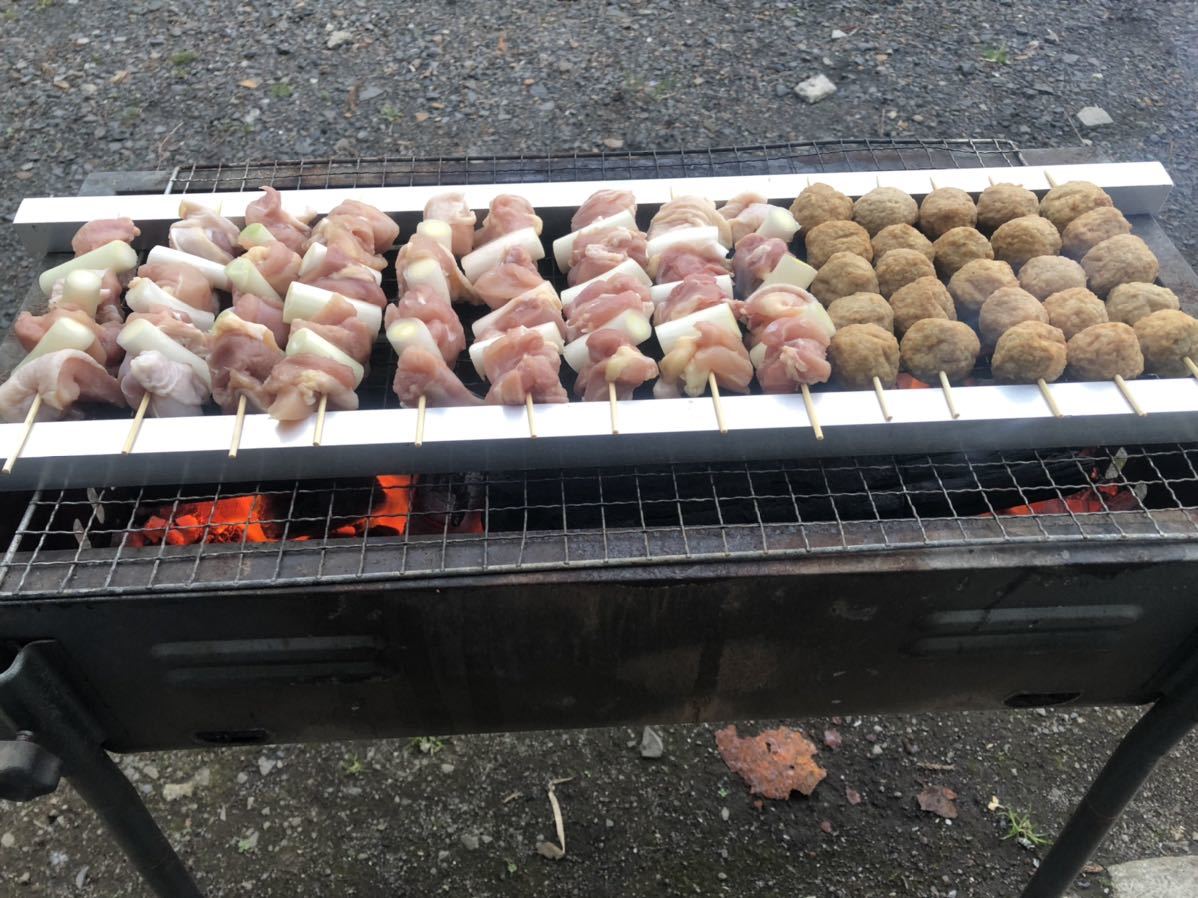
(242, 356)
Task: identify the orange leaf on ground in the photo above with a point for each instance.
(773, 763)
(938, 800)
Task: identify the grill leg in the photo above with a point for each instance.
(37, 703)
(1165, 724)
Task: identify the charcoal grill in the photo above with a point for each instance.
(149, 618)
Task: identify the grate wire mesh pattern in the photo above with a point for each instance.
(71, 542)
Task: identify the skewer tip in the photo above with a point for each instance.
(715, 401)
(881, 394)
(238, 424)
(135, 428)
(1127, 395)
(421, 408)
(947, 389)
(532, 419)
(611, 398)
(1190, 366)
(1049, 399)
(811, 416)
(26, 429)
(318, 435)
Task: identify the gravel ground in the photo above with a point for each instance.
(139, 85)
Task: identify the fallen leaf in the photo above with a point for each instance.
(529, 82)
(613, 143)
(437, 105)
(62, 85)
(549, 850)
(24, 175)
(938, 800)
(250, 83)
(119, 77)
(1093, 869)
(832, 739)
(773, 763)
(422, 116)
(852, 795)
(826, 826)
(994, 804)
(502, 45)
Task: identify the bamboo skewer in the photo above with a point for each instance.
(1131, 400)
(26, 429)
(532, 420)
(1193, 369)
(238, 424)
(1049, 399)
(611, 398)
(1052, 182)
(811, 416)
(318, 436)
(135, 429)
(715, 401)
(421, 407)
(948, 395)
(880, 393)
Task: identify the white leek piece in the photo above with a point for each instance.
(229, 320)
(669, 333)
(544, 288)
(82, 290)
(438, 230)
(628, 267)
(116, 255)
(790, 270)
(491, 254)
(778, 223)
(253, 235)
(698, 235)
(405, 332)
(141, 336)
(427, 272)
(65, 333)
(213, 272)
(661, 292)
(307, 340)
(563, 247)
(632, 324)
(757, 355)
(248, 279)
(305, 301)
(548, 330)
(144, 295)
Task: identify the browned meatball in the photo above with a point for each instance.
(976, 280)
(861, 352)
(819, 203)
(934, 345)
(884, 206)
(1131, 302)
(1028, 352)
(1021, 239)
(1005, 308)
(900, 267)
(842, 275)
(1091, 228)
(946, 208)
(1121, 259)
(1066, 202)
(900, 236)
(923, 298)
(956, 248)
(1043, 276)
(1167, 338)
(1074, 310)
(1000, 203)
(862, 308)
(1103, 350)
(824, 240)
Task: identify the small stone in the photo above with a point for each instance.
(442, 856)
(1070, 58)
(651, 744)
(266, 765)
(876, 751)
(447, 767)
(242, 779)
(470, 841)
(837, 34)
(8, 840)
(781, 90)
(173, 791)
(725, 814)
(1094, 117)
(81, 876)
(23, 878)
(613, 143)
(967, 68)
(816, 88)
(369, 93)
(337, 38)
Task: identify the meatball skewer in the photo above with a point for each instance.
(940, 349)
(1108, 351)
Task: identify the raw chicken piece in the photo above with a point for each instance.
(178, 329)
(527, 310)
(596, 260)
(689, 212)
(277, 264)
(616, 239)
(110, 292)
(288, 229)
(375, 228)
(745, 213)
(770, 303)
(29, 329)
(678, 260)
(686, 367)
(262, 310)
(339, 273)
(451, 208)
(421, 373)
(602, 301)
(602, 204)
(241, 360)
(175, 389)
(796, 353)
(438, 316)
(340, 325)
(202, 232)
(183, 282)
(354, 237)
(515, 274)
(63, 379)
(754, 259)
(613, 359)
(96, 233)
(507, 213)
(521, 364)
(693, 294)
(421, 246)
(296, 384)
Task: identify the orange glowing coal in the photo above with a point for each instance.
(1095, 500)
(261, 518)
